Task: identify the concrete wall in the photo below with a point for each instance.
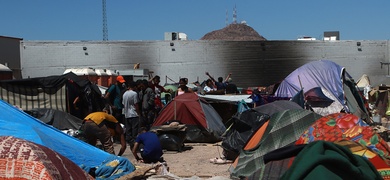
(252, 63)
(10, 54)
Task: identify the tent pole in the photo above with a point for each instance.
(174, 110)
(300, 83)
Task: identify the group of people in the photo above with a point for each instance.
(134, 104)
(209, 86)
(222, 86)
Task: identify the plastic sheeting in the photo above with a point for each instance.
(58, 119)
(14, 122)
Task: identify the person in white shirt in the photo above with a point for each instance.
(131, 112)
(209, 86)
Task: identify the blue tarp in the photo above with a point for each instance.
(14, 122)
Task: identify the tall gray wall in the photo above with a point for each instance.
(252, 63)
(10, 54)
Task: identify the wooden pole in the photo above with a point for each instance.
(175, 116)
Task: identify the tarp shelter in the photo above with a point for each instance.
(227, 105)
(379, 96)
(283, 129)
(14, 122)
(364, 85)
(276, 106)
(39, 163)
(324, 159)
(243, 124)
(58, 119)
(52, 92)
(342, 126)
(85, 73)
(228, 98)
(334, 81)
(240, 129)
(363, 81)
(203, 123)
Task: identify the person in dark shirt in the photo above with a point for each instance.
(114, 97)
(220, 84)
(152, 150)
(231, 88)
(148, 104)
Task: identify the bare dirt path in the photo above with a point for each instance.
(193, 161)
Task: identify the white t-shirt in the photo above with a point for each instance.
(208, 89)
(130, 98)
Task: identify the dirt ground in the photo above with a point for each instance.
(194, 161)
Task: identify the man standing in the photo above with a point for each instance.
(148, 108)
(221, 84)
(158, 90)
(152, 150)
(114, 96)
(131, 112)
(231, 88)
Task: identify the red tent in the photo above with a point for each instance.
(197, 114)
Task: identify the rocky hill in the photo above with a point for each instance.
(234, 32)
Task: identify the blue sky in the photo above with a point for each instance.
(149, 19)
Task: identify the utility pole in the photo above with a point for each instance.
(105, 30)
(227, 19)
(235, 15)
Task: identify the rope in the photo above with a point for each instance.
(170, 79)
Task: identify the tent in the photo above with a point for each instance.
(363, 81)
(241, 128)
(14, 122)
(52, 92)
(364, 85)
(379, 97)
(323, 159)
(245, 123)
(22, 159)
(203, 123)
(276, 106)
(58, 119)
(316, 98)
(281, 130)
(340, 127)
(335, 83)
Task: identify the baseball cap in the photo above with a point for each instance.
(120, 79)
